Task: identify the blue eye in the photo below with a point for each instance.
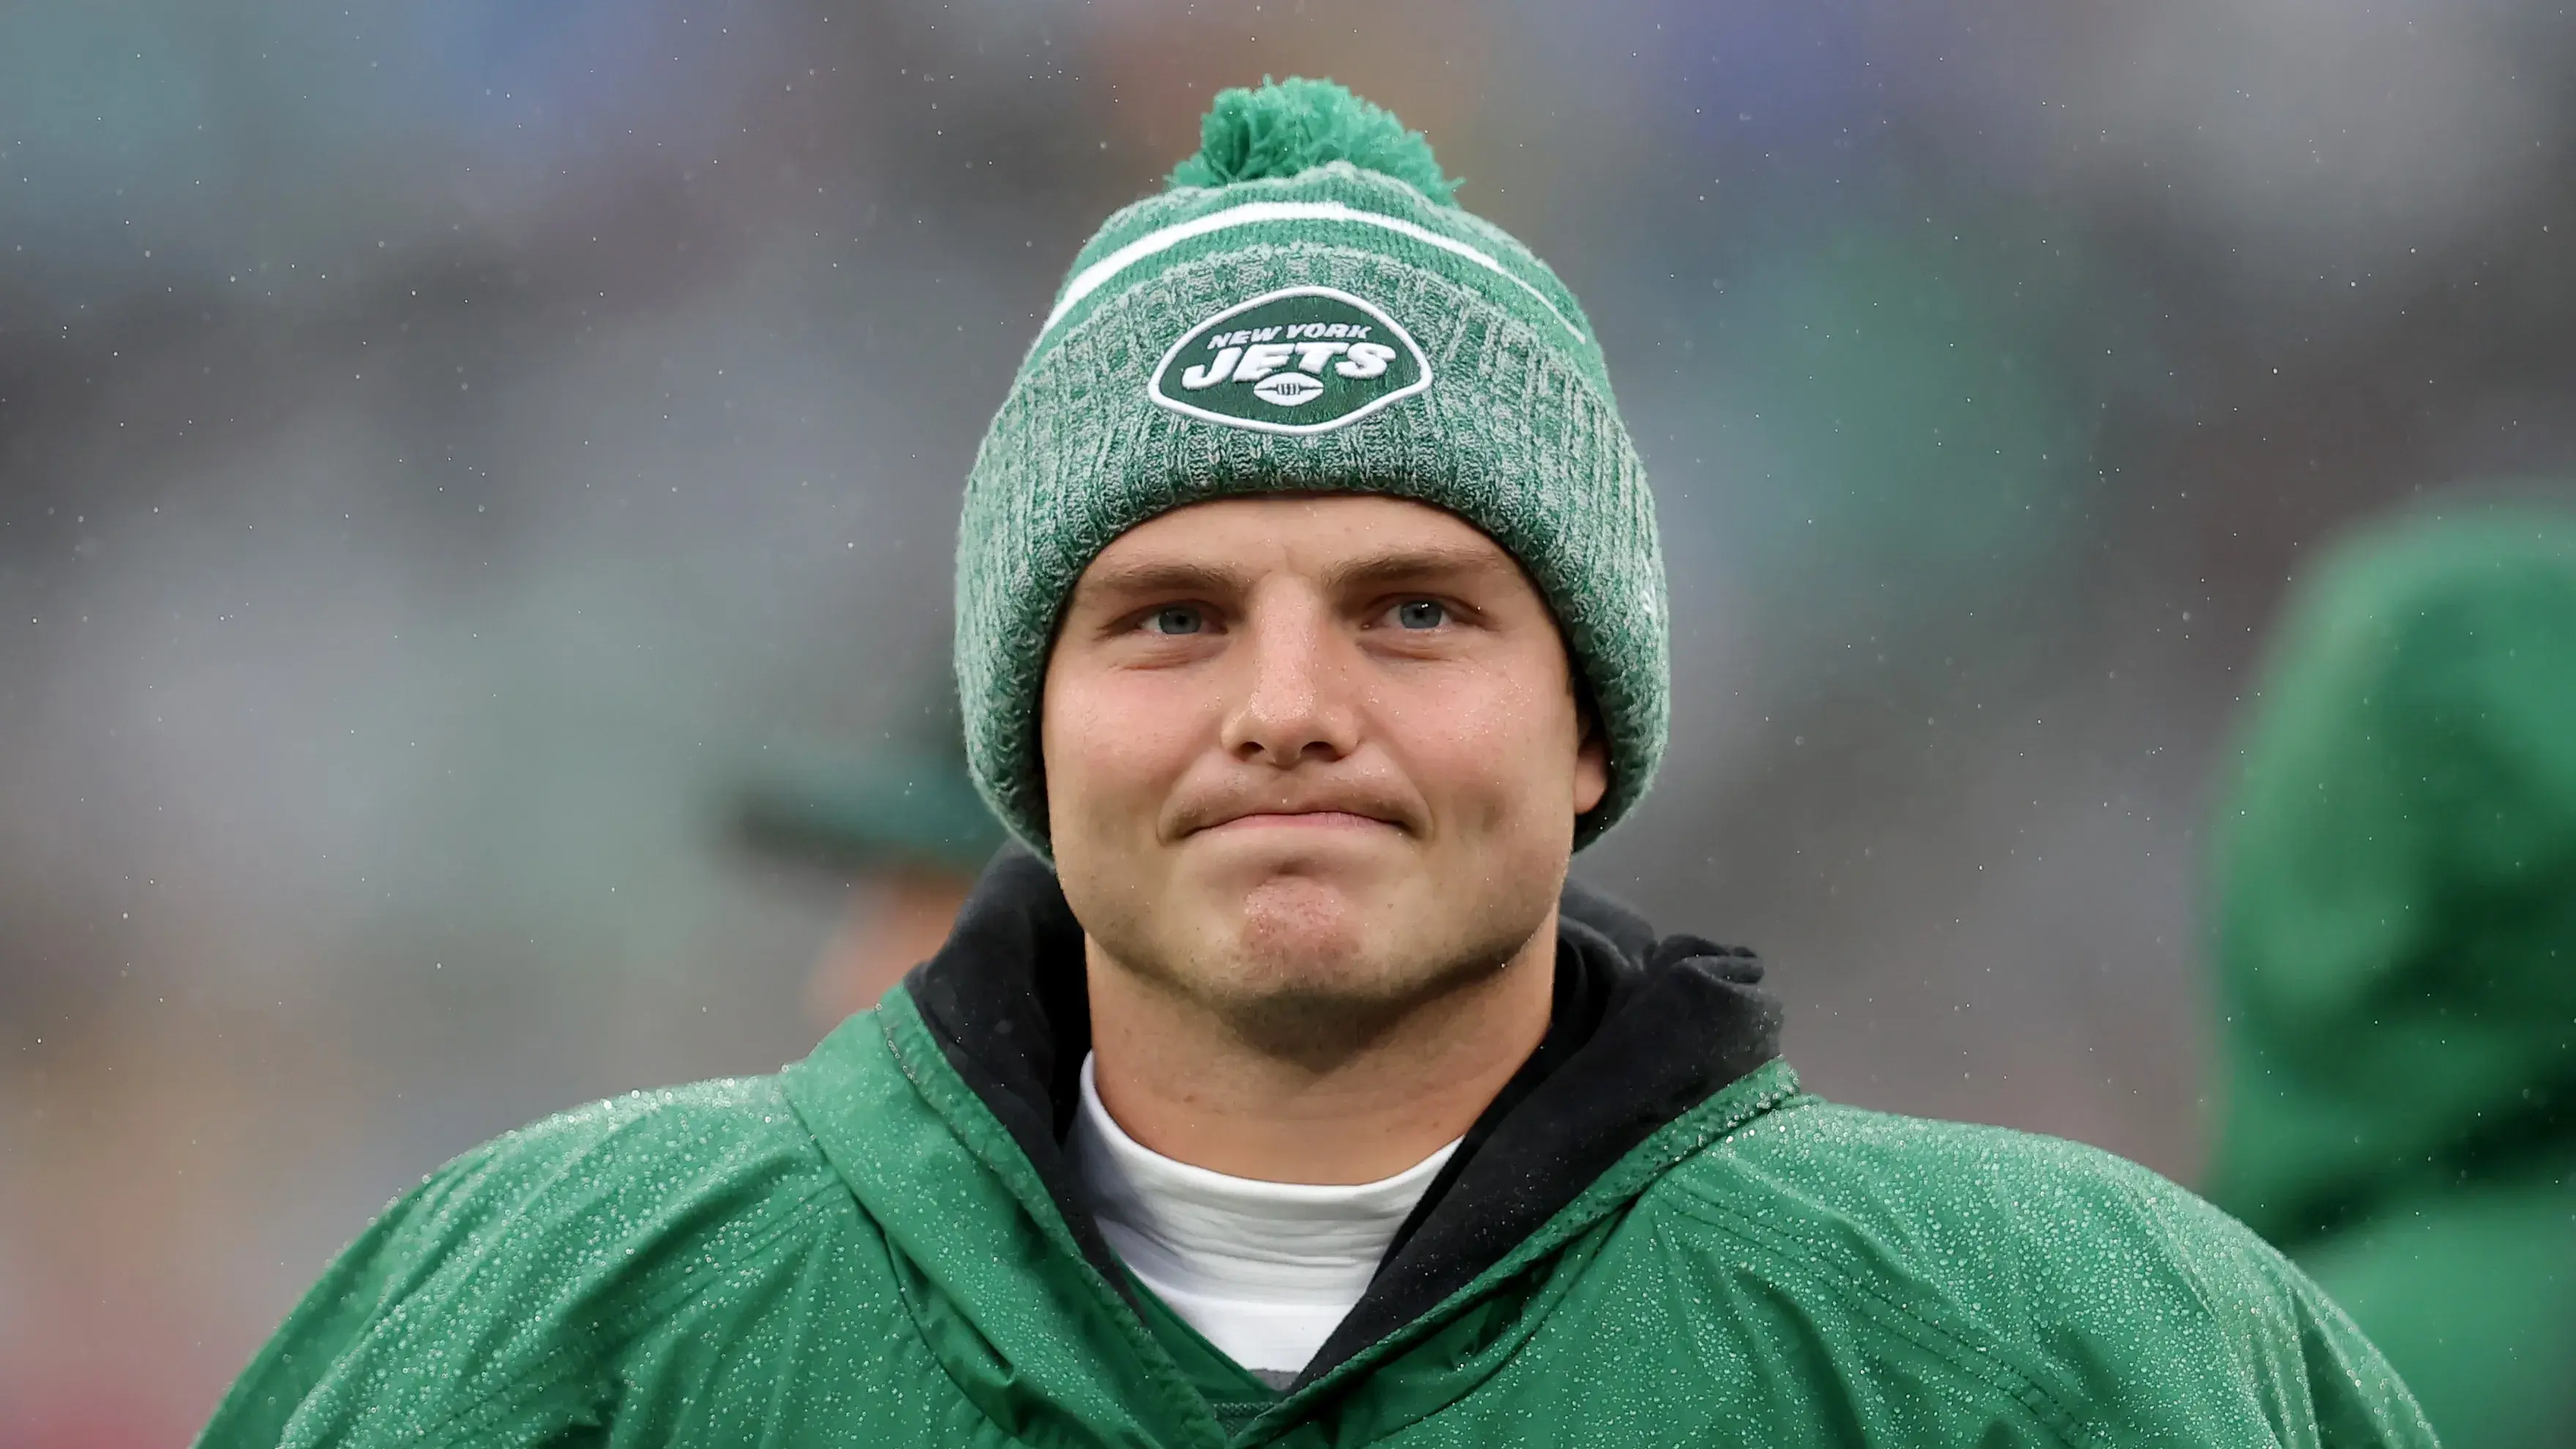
(1421, 614)
(1178, 619)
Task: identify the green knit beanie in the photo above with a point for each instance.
(1305, 310)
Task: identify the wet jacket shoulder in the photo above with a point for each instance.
(546, 1280)
(1990, 1279)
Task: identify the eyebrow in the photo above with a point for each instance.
(1177, 576)
(1158, 577)
(1417, 564)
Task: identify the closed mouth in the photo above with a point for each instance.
(1304, 819)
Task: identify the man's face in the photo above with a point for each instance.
(1312, 754)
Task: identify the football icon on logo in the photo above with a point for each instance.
(1288, 389)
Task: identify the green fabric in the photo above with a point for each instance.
(2472, 1297)
(2396, 949)
(1232, 1391)
(1512, 426)
(854, 1253)
(1295, 125)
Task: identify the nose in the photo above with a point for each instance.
(1296, 699)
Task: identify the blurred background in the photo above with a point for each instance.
(444, 449)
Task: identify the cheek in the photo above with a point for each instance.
(1114, 743)
(1484, 748)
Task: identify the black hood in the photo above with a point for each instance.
(1643, 1029)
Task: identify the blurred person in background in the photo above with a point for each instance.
(901, 824)
(1302, 1099)
(2396, 953)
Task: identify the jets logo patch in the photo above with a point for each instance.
(1302, 360)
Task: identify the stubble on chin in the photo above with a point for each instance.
(1300, 973)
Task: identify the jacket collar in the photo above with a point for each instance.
(1643, 1031)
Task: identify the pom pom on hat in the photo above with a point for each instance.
(1287, 128)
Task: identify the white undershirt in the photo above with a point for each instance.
(1263, 1270)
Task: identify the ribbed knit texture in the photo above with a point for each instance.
(1517, 433)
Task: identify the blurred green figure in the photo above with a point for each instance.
(905, 823)
(2397, 961)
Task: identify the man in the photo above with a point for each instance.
(2397, 957)
(902, 824)
(1310, 615)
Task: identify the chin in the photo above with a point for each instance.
(1302, 934)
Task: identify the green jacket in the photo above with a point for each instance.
(1653, 1238)
(2396, 948)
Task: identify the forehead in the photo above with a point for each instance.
(1321, 535)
